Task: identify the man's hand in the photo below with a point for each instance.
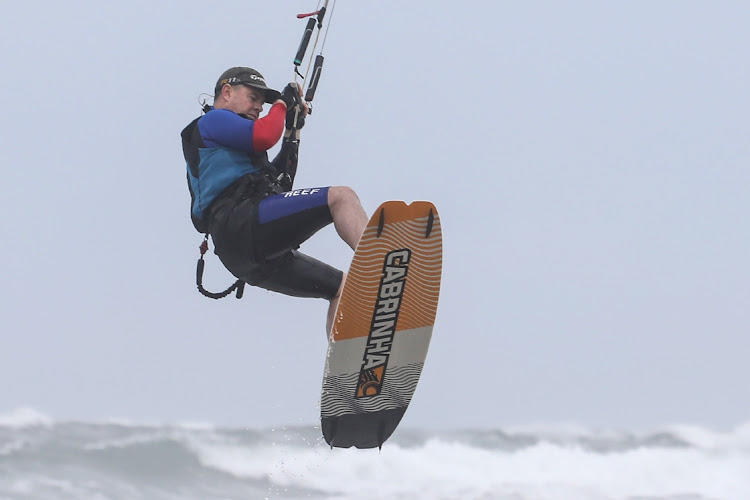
(292, 97)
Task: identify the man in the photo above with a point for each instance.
(245, 201)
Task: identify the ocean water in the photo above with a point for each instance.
(45, 459)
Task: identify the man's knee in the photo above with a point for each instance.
(341, 289)
(338, 195)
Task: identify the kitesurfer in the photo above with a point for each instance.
(246, 202)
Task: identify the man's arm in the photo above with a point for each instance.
(285, 162)
(221, 127)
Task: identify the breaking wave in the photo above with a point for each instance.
(41, 458)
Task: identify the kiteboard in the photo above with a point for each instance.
(383, 325)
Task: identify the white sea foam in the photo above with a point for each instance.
(708, 439)
(24, 417)
(46, 459)
(440, 469)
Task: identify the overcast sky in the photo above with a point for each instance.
(589, 161)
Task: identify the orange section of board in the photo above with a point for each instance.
(404, 227)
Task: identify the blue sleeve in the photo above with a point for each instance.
(221, 127)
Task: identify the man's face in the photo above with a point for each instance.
(246, 100)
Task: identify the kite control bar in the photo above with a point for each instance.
(317, 64)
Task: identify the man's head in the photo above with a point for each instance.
(243, 90)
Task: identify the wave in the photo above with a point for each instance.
(24, 417)
(44, 458)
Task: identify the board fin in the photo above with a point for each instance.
(430, 222)
(381, 222)
(381, 435)
(332, 432)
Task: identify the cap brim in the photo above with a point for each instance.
(271, 95)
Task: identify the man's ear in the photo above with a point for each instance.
(226, 91)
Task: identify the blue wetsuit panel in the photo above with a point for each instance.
(292, 202)
(221, 127)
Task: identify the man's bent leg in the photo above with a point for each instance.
(298, 275)
(286, 222)
(349, 218)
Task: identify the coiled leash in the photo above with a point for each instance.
(238, 285)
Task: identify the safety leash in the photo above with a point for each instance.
(238, 285)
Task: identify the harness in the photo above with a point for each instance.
(257, 187)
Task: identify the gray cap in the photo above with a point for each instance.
(246, 76)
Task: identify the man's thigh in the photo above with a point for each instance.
(286, 220)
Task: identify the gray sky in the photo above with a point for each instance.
(589, 161)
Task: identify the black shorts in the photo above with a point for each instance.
(258, 242)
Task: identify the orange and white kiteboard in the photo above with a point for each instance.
(383, 325)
